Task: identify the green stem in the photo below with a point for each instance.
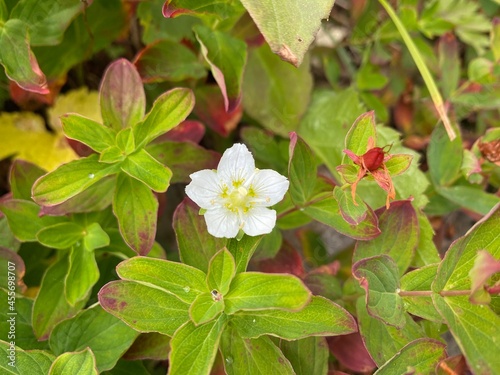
(296, 208)
(422, 67)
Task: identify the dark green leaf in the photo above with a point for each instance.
(444, 170)
(83, 273)
(301, 171)
(308, 356)
(472, 198)
(135, 207)
(144, 308)
(147, 169)
(87, 131)
(22, 176)
(243, 250)
(426, 252)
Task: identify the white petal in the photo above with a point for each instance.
(236, 164)
(222, 223)
(269, 186)
(260, 220)
(204, 188)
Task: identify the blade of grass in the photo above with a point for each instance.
(424, 71)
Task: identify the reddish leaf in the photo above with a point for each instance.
(351, 352)
(484, 267)
(31, 100)
(12, 264)
(210, 109)
(186, 131)
(288, 260)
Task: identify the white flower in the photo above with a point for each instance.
(237, 194)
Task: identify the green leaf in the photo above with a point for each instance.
(22, 176)
(168, 111)
(70, 179)
(280, 96)
(219, 11)
(51, 306)
(47, 22)
(34, 362)
(449, 64)
(206, 307)
(17, 58)
(420, 280)
(252, 356)
(135, 207)
(379, 276)
(181, 280)
(167, 60)
(382, 340)
(360, 132)
(301, 171)
(426, 252)
(227, 57)
(122, 96)
(107, 336)
(399, 237)
(444, 171)
(475, 330)
(423, 355)
(369, 77)
(472, 198)
(61, 235)
(321, 317)
(149, 346)
(125, 141)
(327, 211)
(95, 237)
(289, 34)
(353, 211)
(398, 163)
(78, 363)
(221, 271)
(112, 154)
(257, 291)
(196, 246)
(243, 250)
(23, 218)
(4, 12)
(193, 348)
(98, 137)
(83, 273)
(308, 356)
(144, 308)
(147, 169)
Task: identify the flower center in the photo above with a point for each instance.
(239, 200)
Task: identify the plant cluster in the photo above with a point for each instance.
(257, 187)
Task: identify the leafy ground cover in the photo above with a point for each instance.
(249, 187)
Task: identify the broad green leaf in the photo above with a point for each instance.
(382, 340)
(398, 163)
(379, 277)
(321, 317)
(360, 133)
(95, 237)
(144, 308)
(125, 140)
(167, 60)
(112, 154)
(196, 246)
(51, 306)
(369, 77)
(327, 211)
(301, 171)
(147, 169)
(472, 198)
(34, 362)
(136, 208)
(426, 252)
(17, 58)
(284, 26)
(227, 57)
(149, 346)
(353, 211)
(77, 363)
(48, 21)
(423, 355)
(98, 137)
(399, 237)
(181, 280)
(280, 96)
(60, 236)
(323, 126)
(123, 100)
(258, 356)
(193, 348)
(308, 356)
(23, 218)
(70, 179)
(258, 291)
(22, 176)
(221, 271)
(107, 336)
(83, 273)
(444, 170)
(420, 280)
(475, 330)
(206, 307)
(168, 111)
(243, 250)
(183, 158)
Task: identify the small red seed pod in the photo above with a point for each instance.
(373, 158)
